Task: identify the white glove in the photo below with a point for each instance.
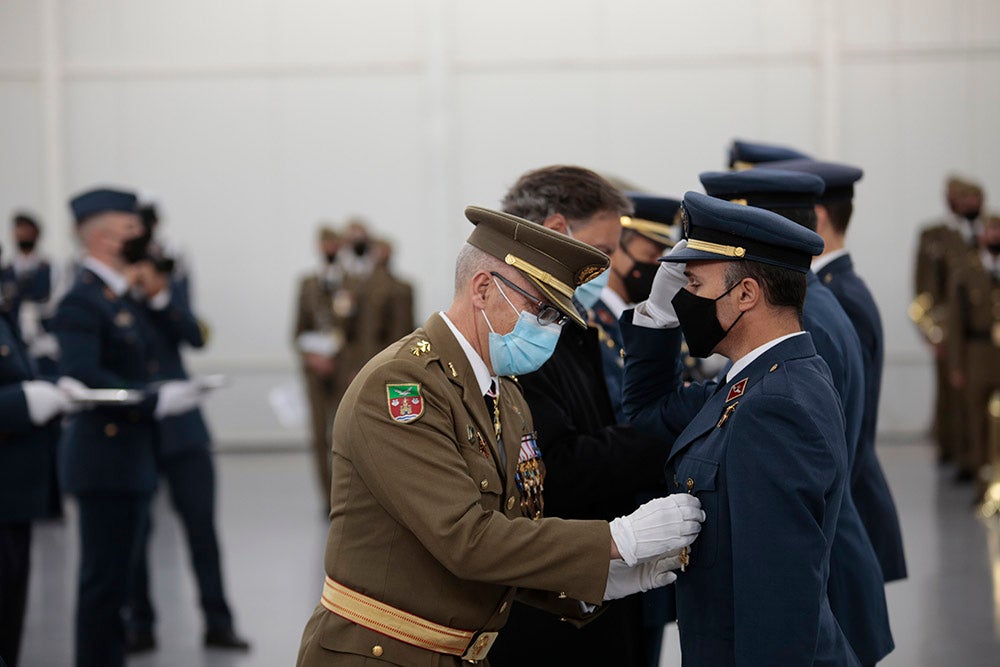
(657, 312)
(661, 526)
(45, 401)
(624, 580)
(176, 397)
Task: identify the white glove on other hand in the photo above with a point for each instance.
(657, 312)
(176, 397)
(661, 526)
(45, 401)
(624, 580)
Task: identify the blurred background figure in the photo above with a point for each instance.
(161, 248)
(941, 248)
(184, 462)
(324, 317)
(28, 283)
(29, 490)
(355, 255)
(972, 341)
(385, 307)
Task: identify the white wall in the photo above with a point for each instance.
(252, 120)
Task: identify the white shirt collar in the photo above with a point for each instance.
(823, 260)
(478, 365)
(113, 279)
(752, 355)
(615, 303)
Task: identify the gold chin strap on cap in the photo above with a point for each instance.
(539, 274)
(717, 248)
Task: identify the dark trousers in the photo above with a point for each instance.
(15, 552)
(190, 477)
(110, 528)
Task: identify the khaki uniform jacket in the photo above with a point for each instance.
(426, 519)
(384, 315)
(973, 320)
(329, 311)
(939, 252)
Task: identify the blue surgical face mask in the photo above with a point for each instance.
(526, 348)
(589, 293)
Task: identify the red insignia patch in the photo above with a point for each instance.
(737, 390)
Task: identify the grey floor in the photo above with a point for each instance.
(273, 534)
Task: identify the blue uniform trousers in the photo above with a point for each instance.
(110, 529)
(15, 549)
(190, 476)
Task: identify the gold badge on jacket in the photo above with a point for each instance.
(123, 319)
(405, 402)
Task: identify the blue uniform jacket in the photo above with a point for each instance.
(857, 585)
(33, 285)
(609, 335)
(174, 326)
(104, 343)
(868, 485)
(771, 477)
(29, 487)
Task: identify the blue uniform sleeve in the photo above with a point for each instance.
(654, 398)
(783, 487)
(14, 408)
(178, 322)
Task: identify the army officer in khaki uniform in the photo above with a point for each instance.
(438, 491)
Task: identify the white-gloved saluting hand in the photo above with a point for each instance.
(624, 580)
(661, 526)
(45, 401)
(657, 312)
(176, 397)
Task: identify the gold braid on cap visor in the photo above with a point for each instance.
(539, 274)
(717, 248)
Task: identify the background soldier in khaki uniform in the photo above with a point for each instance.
(973, 338)
(942, 245)
(326, 308)
(385, 309)
(430, 536)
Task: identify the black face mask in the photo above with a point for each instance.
(700, 321)
(360, 248)
(135, 249)
(971, 216)
(26, 246)
(331, 257)
(639, 281)
(993, 248)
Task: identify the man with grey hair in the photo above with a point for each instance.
(595, 468)
(435, 523)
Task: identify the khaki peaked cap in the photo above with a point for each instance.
(554, 262)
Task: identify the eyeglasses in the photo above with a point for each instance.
(546, 314)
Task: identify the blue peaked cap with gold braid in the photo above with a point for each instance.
(718, 230)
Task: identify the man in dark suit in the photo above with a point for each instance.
(106, 455)
(856, 586)
(184, 459)
(595, 467)
(29, 490)
(835, 270)
(765, 450)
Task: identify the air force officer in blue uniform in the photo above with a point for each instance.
(765, 451)
(106, 457)
(835, 270)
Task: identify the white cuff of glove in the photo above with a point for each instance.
(161, 300)
(661, 526)
(177, 397)
(45, 401)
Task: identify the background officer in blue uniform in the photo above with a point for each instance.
(765, 451)
(645, 236)
(835, 270)
(29, 490)
(856, 586)
(184, 459)
(106, 455)
(595, 466)
(33, 278)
